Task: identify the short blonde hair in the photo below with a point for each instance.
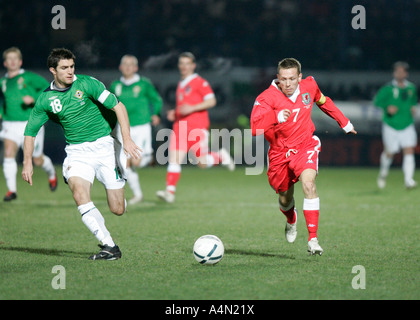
(136, 62)
(12, 49)
(187, 54)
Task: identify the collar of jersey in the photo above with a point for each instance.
(293, 96)
(395, 83)
(20, 72)
(129, 82)
(54, 87)
(184, 82)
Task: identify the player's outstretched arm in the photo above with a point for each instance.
(28, 150)
(129, 146)
(329, 108)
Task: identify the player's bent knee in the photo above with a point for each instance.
(38, 161)
(118, 212)
(309, 188)
(117, 207)
(284, 203)
(116, 201)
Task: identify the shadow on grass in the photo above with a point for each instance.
(258, 254)
(48, 252)
(151, 206)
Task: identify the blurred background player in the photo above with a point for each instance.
(143, 104)
(20, 90)
(194, 96)
(283, 114)
(76, 102)
(397, 99)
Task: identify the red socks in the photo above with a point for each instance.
(311, 213)
(172, 176)
(171, 181)
(174, 171)
(289, 212)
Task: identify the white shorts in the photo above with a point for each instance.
(395, 140)
(141, 135)
(14, 130)
(94, 159)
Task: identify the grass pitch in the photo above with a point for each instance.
(359, 226)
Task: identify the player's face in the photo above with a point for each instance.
(64, 73)
(12, 62)
(288, 80)
(128, 67)
(186, 67)
(400, 74)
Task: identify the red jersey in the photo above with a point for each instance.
(193, 90)
(298, 129)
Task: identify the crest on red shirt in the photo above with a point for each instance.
(306, 98)
(187, 90)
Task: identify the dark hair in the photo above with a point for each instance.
(58, 54)
(289, 63)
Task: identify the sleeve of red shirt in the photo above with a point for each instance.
(205, 88)
(329, 108)
(263, 117)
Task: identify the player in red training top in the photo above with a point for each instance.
(283, 113)
(194, 96)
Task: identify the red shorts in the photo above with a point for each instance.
(184, 138)
(285, 167)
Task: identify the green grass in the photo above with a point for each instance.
(359, 225)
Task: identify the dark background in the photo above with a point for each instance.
(238, 44)
(250, 32)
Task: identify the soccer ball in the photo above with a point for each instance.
(208, 249)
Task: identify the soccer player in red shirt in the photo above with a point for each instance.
(283, 114)
(194, 96)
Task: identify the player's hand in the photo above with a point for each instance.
(170, 115)
(392, 110)
(185, 109)
(283, 115)
(352, 131)
(413, 112)
(27, 172)
(28, 100)
(155, 120)
(130, 148)
(286, 114)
